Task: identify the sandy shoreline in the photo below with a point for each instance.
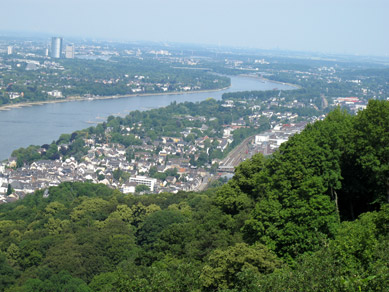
(8, 107)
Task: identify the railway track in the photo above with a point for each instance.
(236, 156)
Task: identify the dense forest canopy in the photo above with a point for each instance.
(312, 217)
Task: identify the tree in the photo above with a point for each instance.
(224, 266)
(202, 159)
(91, 208)
(7, 274)
(117, 173)
(296, 189)
(246, 171)
(142, 188)
(52, 152)
(155, 223)
(355, 260)
(231, 199)
(371, 138)
(62, 281)
(9, 190)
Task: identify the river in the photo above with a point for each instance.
(40, 124)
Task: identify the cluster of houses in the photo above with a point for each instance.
(103, 160)
(99, 166)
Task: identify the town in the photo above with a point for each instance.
(188, 160)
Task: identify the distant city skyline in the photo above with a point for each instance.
(328, 26)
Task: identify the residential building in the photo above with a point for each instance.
(55, 93)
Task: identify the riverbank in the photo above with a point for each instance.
(270, 80)
(36, 125)
(8, 107)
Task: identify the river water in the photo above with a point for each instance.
(40, 124)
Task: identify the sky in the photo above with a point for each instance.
(330, 26)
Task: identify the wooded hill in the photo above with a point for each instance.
(312, 217)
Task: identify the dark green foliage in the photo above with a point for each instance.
(76, 149)
(7, 273)
(142, 188)
(155, 223)
(9, 190)
(27, 155)
(163, 175)
(356, 260)
(60, 282)
(305, 187)
(294, 211)
(224, 266)
(368, 158)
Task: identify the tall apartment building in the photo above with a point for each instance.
(69, 51)
(9, 50)
(56, 47)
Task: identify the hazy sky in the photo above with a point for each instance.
(333, 26)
